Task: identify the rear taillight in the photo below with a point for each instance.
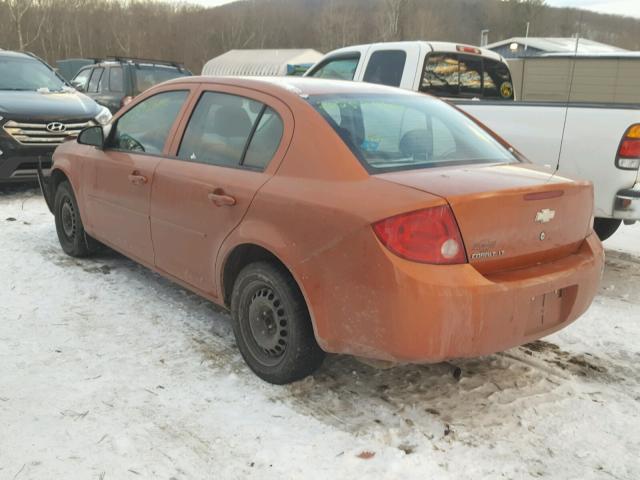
(427, 236)
(629, 151)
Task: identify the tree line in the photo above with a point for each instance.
(191, 34)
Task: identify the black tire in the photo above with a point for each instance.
(272, 326)
(605, 227)
(73, 239)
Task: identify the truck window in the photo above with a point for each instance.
(386, 67)
(81, 79)
(497, 80)
(338, 68)
(470, 76)
(441, 75)
(453, 75)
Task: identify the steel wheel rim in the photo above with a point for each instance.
(266, 329)
(68, 218)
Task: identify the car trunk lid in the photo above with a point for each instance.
(510, 216)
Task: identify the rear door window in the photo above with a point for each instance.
(338, 68)
(145, 128)
(385, 67)
(94, 82)
(231, 131)
(116, 79)
(146, 76)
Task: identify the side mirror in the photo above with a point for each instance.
(93, 136)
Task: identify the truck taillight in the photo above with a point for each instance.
(426, 236)
(629, 151)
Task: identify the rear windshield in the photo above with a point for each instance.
(146, 76)
(390, 132)
(457, 75)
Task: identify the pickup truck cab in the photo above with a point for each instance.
(599, 142)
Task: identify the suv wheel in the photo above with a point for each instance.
(73, 239)
(272, 326)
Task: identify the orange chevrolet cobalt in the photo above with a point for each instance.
(332, 216)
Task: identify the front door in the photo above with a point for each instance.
(202, 194)
(123, 173)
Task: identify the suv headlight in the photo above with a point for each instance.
(103, 116)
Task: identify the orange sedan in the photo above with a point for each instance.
(332, 217)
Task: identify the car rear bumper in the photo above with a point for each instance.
(438, 313)
(627, 204)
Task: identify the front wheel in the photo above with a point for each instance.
(73, 239)
(272, 326)
(605, 227)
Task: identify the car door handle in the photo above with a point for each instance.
(137, 179)
(220, 199)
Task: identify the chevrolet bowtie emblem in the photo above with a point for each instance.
(545, 215)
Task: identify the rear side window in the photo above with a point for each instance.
(453, 75)
(385, 67)
(94, 82)
(388, 132)
(339, 68)
(146, 126)
(146, 76)
(265, 140)
(116, 83)
(231, 131)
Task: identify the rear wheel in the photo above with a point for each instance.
(605, 227)
(73, 239)
(272, 325)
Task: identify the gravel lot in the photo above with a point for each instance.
(108, 371)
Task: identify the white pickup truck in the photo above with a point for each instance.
(598, 142)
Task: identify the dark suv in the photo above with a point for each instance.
(115, 81)
(38, 111)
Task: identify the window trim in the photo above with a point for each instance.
(354, 55)
(169, 138)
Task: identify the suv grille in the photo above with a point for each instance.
(50, 133)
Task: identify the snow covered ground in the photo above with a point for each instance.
(108, 371)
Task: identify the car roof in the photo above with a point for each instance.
(296, 86)
(8, 53)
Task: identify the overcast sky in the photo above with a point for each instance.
(619, 7)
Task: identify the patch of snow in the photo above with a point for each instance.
(110, 371)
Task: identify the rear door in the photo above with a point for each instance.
(122, 174)
(224, 152)
(111, 88)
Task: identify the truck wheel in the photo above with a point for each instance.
(272, 326)
(73, 239)
(605, 227)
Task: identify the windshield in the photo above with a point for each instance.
(396, 132)
(27, 74)
(148, 76)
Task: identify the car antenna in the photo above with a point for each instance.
(566, 107)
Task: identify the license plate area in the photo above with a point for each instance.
(550, 309)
